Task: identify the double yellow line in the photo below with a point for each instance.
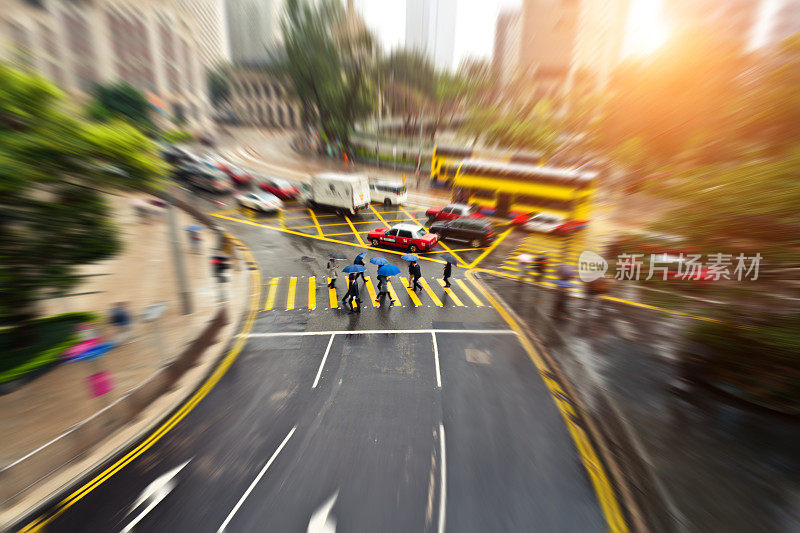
(255, 278)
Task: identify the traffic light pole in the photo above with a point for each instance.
(180, 265)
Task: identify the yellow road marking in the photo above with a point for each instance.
(273, 290)
(471, 295)
(290, 296)
(353, 228)
(333, 299)
(411, 292)
(602, 486)
(39, 523)
(453, 296)
(378, 215)
(312, 292)
(393, 294)
(430, 292)
(491, 248)
(316, 222)
(371, 290)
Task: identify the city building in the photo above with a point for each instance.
(599, 41)
(211, 20)
(733, 19)
(144, 42)
(430, 29)
(547, 40)
(253, 29)
(505, 56)
(259, 99)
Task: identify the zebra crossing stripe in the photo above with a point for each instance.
(430, 292)
(469, 293)
(273, 289)
(451, 294)
(393, 294)
(334, 300)
(290, 297)
(411, 293)
(312, 292)
(371, 291)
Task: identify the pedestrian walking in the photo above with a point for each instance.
(539, 266)
(448, 271)
(417, 274)
(121, 319)
(383, 288)
(350, 280)
(352, 294)
(411, 272)
(359, 260)
(333, 272)
(560, 304)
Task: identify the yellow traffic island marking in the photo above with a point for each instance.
(316, 223)
(353, 229)
(491, 248)
(411, 293)
(451, 294)
(383, 220)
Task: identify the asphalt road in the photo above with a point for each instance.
(326, 420)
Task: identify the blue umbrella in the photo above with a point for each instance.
(350, 269)
(361, 256)
(380, 261)
(388, 270)
(563, 283)
(409, 257)
(194, 227)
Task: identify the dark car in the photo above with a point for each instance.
(474, 231)
(202, 177)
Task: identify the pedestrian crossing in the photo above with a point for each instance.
(557, 250)
(302, 293)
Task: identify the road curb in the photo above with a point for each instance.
(77, 453)
(632, 478)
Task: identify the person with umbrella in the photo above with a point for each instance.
(539, 266)
(414, 272)
(383, 279)
(359, 260)
(352, 283)
(332, 269)
(448, 268)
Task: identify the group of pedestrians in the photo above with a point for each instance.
(353, 293)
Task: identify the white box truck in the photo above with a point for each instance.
(344, 193)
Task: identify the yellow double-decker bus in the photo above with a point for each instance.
(445, 160)
(509, 189)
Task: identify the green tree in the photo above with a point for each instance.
(219, 87)
(409, 82)
(54, 170)
(121, 100)
(330, 63)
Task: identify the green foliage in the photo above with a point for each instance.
(54, 168)
(219, 87)
(121, 100)
(535, 129)
(329, 64)
(177, 136)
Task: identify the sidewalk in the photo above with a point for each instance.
(142, 274)
(702, 462)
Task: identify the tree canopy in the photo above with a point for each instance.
(54, 169)
(121, 100)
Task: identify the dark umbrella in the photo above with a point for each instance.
(194, 227)
(337, 255)
(158, 203)
(360, 257)
(409, 257)
(388, 270)
(380, 261)
(450, 258)
(352, 269)
(565, 272)
(563, 283)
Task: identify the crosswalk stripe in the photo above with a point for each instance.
(334, 300)
(273, 289)
(451, 294)
(430, 292)
(411, 293)
(371, 291)
(393, 294)
(469, 293)
(290, 296)
(312, 292)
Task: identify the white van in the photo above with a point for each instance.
(348, 193)
(388, 192)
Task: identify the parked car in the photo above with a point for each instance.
(452, 212)
(265, 203)
(281, 188)
(476, 232)
(205, 178)
(239, 177)
(552, 224)
(388, 192)
(409, 236)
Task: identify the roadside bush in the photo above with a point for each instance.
(177, 136)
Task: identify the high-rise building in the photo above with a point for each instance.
(547, 41)
(505, 56)
(148, 43)
(775, 21)
(733, 19)
(211, 20)
(253, 29)
(430, 29)
(601, 32)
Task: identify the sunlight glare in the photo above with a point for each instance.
(647, 29)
